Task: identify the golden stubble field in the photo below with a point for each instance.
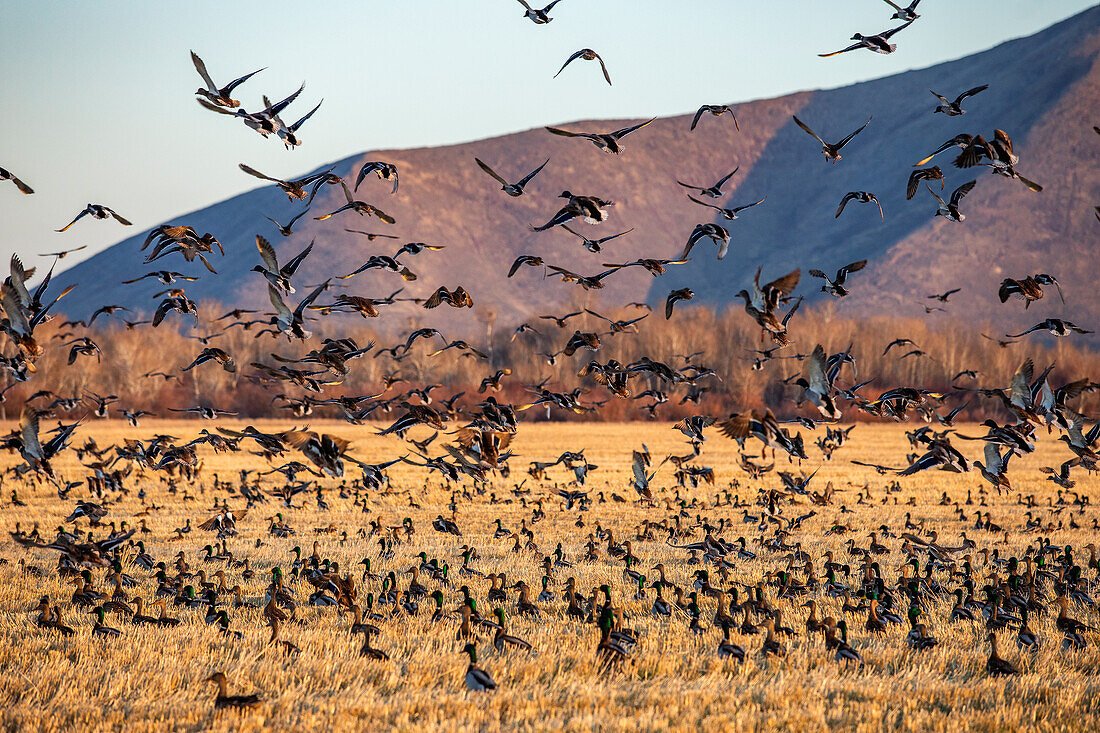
(153, 678)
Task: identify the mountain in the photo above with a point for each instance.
(1044, 90)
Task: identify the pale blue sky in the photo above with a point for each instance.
(98, 97)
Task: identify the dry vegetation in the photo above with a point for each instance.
(153, 678)
(949, 347)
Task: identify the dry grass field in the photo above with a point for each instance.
(153, 678)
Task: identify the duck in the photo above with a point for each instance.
(586, 54)
(862, 197)
(844, 651)
(515, 190)
(730, 214)
(726, 648)
(714, 191)
(954, 109)
(502, 639)
(222, 700)
(385, 172)
(831, 151)
(538, 17)
(950, 211)
(879, 42)
(771, 646)
(100, 629)
(477, 679)
(907, 13)
(1025, 637)
(716, 110)
(6, 175)
(97, 211)
(610, 653)
(367, 650)
(995, 665)
(218, 96)
(605, 141)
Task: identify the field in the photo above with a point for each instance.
(153, 678)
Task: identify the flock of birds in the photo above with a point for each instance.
(995, 591)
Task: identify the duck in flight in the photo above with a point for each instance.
(1056, 326)
(538, 17)
(96, 211)
(608, 142)
(716, 110)
(729, 214)
(385, 171)
(831, 151)
(835, 286)
(922, 174)
(595, 245)
(516, 189)
(879, 43)
(359, 207)
(219, 96)
(586, 54)
(950, 211)
(6, 175)
(714, 191)
(907, 13)
(954, 109)
(863, 197)
(715, 232)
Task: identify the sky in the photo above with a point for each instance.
(98, 98)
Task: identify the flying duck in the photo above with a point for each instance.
(950, 211)
(608, 142)
(879, 43)
(512, 189)
(717, 110)
(863, 197)
(954, 109)
(215, 95)
(588, 55)
(831, 151)
(96, 211)
(538, 17)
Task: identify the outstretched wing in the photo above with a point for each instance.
(802, 124)
(201, 68)
(492, 172)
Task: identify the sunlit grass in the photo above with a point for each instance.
(153, 678)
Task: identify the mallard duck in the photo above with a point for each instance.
(995, 665)
(477, 678)
(726, 648)
(771, 646)
(100, 629)
(502, 638)
(231, 701)
(367, 650)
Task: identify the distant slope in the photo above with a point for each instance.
(1044, 90)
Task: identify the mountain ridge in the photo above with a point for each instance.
(445, 199)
